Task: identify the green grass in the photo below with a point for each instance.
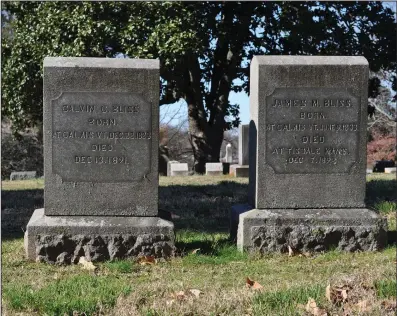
(385, 288)
(217, 269)
(286, 302)
(80, 293)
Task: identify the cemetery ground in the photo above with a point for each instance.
(208, 276)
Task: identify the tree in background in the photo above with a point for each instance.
(204, 49)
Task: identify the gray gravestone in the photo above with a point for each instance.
(308, 156)
(101, 126)
(169, 163)
(243, 152)
(214, 168)
(242, 169)
(178, 169)
(22, 175)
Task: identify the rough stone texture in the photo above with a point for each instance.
(283, 95)
(178, 169)
(243, 149)
(273, 230)
(239, 171)
(22, 175)
(214, 168)
(64, 239)
(101, 118)
(391, 170)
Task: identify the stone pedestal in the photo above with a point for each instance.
(313, 230)
(239, 171)
(64, 239)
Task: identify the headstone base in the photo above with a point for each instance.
(313, 230)
(64, 239)
(239, 171)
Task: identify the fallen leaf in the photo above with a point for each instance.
(313, 309)
(328, 293)
(389, 305)
(195, 251)
(174, 216)
(146, 260)
(362, 306)
(253, 284)
(170, 302)
(337, 295)
(88, 265)
(180, 295)
(195, 292)
(344, 295)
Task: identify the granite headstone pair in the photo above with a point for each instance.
(307, 148)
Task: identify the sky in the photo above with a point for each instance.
(176, 114)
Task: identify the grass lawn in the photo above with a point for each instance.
(200, 206)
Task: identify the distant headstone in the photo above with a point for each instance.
(178, 169)
(243, 152)
(229, 153)
(308, 157)
(242, 169)
(22, 175)
(169, 167)
(390, 170)
(101, 127)
(380, 165)
(214, 168)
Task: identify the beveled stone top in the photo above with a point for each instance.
(310, 60)
(91, 62)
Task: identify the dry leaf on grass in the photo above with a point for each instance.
(183, 295)
(389, 305)
(146, 260)
(337, 295)
(195, 292)
(313, 309)
(253, 284)
(195, 251)
(87, 265)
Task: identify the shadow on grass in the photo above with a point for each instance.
(203, 208)
(17, 206)
(380, 191)
(207, 247)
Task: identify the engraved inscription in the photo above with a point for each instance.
(312, 130)
(101, 136)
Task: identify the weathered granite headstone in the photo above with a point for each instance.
(214, 168)
(308, 157)
(178, 169)
(242, 169)
(101, 126)
(22, 175)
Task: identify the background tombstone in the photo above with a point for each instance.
(308, 157)
(242, 169)
(169, 163)
(178, 169)
(214, 168)
(101, 126)
(22, 175)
